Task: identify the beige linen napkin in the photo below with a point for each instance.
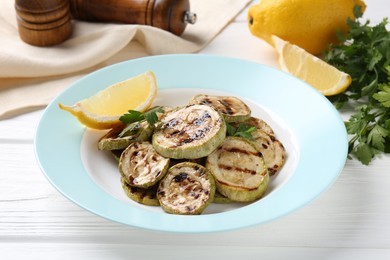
(30, 77)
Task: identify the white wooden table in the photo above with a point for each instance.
(349, 221)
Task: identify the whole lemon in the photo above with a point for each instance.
(310, 24)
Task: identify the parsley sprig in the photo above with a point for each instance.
(365, 55)
(243, 130)
(135, 116)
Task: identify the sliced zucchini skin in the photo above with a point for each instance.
(239, 170)
(187, 189)
(240, 194)
(143, 196)
(141, 166)
(271, 148)
(221, 199)
(111, 141)
(189, 132)
(232, 108)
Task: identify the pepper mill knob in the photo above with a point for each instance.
(190, 17)
(43, 22)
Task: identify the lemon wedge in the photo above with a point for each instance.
(322, 76)
(102, 110)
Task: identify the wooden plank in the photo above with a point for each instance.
(129, 250)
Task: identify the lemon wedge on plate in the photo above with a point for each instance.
(322, 76)
(102, 110)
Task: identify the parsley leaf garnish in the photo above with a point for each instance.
(243, 130)
(132, 116)
(365, 55)
(135, 116)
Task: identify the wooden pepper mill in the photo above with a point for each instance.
(169, 15)
(43, 22)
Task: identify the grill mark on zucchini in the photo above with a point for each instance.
(180, 177)
(238, 150)
(199, 134)
(237, 169)
(227, 107)
(274, 169)
(200, 121)
(171, 123)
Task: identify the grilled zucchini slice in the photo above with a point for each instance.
(187, 189)
(239, 170)
(189, 132)
(271, 148)
(141, 166)
(120, 137)
(143, 196)
(232, 108)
